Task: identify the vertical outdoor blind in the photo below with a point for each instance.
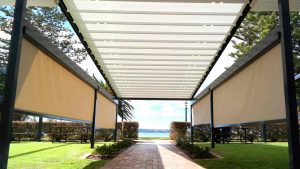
(46, 87)
(254, 94)
(106, 113)
(201, 111)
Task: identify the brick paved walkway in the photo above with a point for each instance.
(152, 155)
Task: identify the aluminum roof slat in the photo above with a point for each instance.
(175, 46)
(156, 8)
(107, 51)
(156, 29)
(153, 85)
(155, 67)
(155, 19)
(157, 49)
(155, 82)
(153, 57)
(155, 79)
(156, 45)
(154, 62)
(152, 38)
(154, 76)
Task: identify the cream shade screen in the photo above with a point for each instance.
(106, 113)
(254, 94)
(201, 111)
(46, 87)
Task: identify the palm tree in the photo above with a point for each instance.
(126, 109)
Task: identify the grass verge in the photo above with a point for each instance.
(32, 155)
(248, 156)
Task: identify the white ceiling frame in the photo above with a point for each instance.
(155, 45)
(154, 49)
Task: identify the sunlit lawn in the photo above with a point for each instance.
(33, 155)
(248, 156)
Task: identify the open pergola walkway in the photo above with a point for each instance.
(152, 155)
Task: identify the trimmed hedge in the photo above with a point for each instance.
(30, 131)
(179, 130)
(131, 129)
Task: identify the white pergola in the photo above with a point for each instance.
(156, 49)
(153, 49)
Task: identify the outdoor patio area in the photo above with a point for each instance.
(149, 84)
(156, 154)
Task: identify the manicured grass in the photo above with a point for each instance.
(248, 156)
(154, 138)
(32, 155)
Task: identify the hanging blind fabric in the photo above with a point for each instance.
(201, 111)
(254, 94)
(46, 87)
(106, 113)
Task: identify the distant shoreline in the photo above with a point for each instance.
(154, 131)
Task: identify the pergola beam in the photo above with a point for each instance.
(156, 45)
(289, 84)
(194, 58)
(156, 82)
(154, 67)
(114, 76)
(11, 80)
(180, 72)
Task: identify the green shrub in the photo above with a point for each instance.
(104, 134)
(179, 130)
(194, 151)
(202, 133)
(108, 151)
(131, 129)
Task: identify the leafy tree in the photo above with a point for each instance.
(256, 26)
(48, 20)
(252, 30)
(127, 107)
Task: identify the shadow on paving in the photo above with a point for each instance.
(152, 154)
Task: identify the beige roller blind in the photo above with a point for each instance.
(46, 87)
(106, 113)
(201, 111)
(254, 94)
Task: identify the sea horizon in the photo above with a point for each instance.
(154, 133)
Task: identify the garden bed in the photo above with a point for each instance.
(195, 151)
(109, 151)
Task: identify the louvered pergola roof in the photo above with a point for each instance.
(154, 49)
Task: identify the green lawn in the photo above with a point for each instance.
(248, 156)
(33, 155)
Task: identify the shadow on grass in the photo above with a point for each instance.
(96, 164)
(39, 150)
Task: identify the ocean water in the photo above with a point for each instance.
(153, 134)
